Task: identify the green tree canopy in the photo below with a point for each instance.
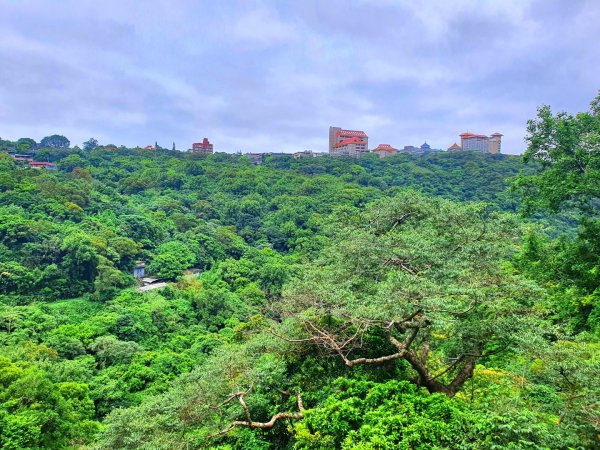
(412, 279)
(567, 148)
(90, 144)
(55, 141)
(171, 259)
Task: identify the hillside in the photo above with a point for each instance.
(375, 303)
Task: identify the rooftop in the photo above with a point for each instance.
(385, 148)
(351, 133)
(150, 287)
(352, 140)
(471, 135)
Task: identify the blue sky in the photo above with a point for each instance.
(273, 75)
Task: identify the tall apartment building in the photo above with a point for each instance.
(204, 147)
(347, 142)
(481, 142)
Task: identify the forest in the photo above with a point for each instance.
(435, 301)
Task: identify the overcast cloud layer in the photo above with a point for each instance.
(274, 75)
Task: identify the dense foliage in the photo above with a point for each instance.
(341, 304)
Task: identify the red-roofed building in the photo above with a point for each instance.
(481, 142)
(385, 150)
(454, 148)
(353, 146)
(347, 142)
(22, 158)
(42, 165)
(204, 147)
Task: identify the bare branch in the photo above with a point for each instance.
(246, 410)
(262, 425)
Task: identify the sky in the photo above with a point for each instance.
(262, 76)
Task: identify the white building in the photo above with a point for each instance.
(481, 142)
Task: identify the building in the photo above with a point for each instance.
(353, 146)
(152, 286)
(409, 149)
(203, 148)
(455, 148)
(495, 143)
(22, 158)
(481, 142)
(42, 165)
(139, 271)
(307, 154)
(255, 158)
(337, 136)
(425, 148)
(303, 154)
(385, 150)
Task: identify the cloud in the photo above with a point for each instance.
(262, 26)
(274, 75)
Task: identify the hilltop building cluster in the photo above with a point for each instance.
(355, 143)
(342, 142)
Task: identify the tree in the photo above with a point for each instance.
(71, 162)
(567, 150)
(36, 413)
(392, 415)
(26, 144)
(80, 260)
(55, 141)
(90, 144)
(14, 278)
(413, 279)
(171, 260)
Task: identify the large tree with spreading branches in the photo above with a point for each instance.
(413, 279)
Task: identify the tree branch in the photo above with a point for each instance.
(262, 425)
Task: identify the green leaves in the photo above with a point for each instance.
(37, 413)
(568, 150)
(426, 273)
(391, 415)
(171, 260)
